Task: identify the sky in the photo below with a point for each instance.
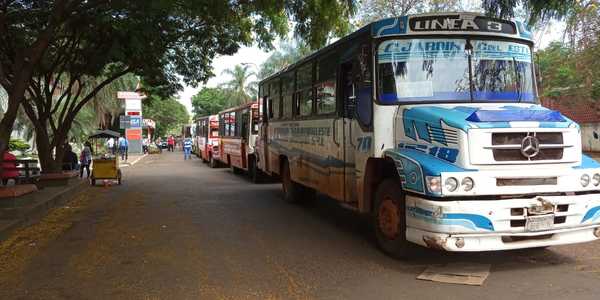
(253, 55)
(257, 56)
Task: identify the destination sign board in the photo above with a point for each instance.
(467, 23)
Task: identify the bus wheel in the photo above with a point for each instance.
(389, 219)
(212, 162)
(292, 192)
(236, 170)
(255, 174)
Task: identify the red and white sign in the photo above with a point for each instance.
(134, 134)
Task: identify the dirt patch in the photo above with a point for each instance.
(25, 243)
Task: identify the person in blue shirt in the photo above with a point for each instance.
(187, 149)
(123, 148)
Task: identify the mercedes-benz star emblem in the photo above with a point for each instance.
(530, 146)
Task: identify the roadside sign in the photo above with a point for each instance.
(135, 122)
(134, 134)
(124, 122)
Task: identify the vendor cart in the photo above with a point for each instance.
(106, 166)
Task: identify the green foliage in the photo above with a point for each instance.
(241, 89)
(538, 10)
(287, 54)
(18, 145)
(168, 114)
(373, 10)
(209, 101)
(165, 42)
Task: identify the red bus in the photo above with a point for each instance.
(238, 129)
(207, 139)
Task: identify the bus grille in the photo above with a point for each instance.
(506, 146)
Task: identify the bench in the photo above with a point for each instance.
(27, 171)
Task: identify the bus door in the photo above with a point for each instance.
(264, 135)
(349, 94)
(245, 133)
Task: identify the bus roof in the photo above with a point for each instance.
(211, 117)
(454, 23)
(252, 104)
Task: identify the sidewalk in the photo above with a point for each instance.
(16, 212)
(131, 160)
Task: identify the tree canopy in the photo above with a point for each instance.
(162, 41)
(241, 87)
(209, 101)
(168, 114)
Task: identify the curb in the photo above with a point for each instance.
(133, 163)
(38, 210)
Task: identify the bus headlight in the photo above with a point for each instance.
(451, 184)
(434, 184)
(596, 179)
(467, 184)
(584, 180)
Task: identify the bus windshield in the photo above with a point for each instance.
(437, 70)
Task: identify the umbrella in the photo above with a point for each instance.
(105, 134)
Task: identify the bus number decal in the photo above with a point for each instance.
(364, 144)
(447, 154)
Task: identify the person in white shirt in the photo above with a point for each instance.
(110, 144)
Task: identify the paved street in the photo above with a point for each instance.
(180, 230)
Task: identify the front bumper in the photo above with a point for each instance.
(485, 225)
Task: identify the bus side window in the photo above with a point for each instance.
(287, 92)
(275, 100)
(326, 85)
(304, 87)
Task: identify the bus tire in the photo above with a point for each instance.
(292, 191)
(389, 219)
(236, 170)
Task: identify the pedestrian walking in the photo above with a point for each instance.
(145, 145)
(85, 159)
(110, 144)
(187, 149)
(171, 143)
(159, 145)
(124, 148)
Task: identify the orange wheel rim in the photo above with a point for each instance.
(389, 218)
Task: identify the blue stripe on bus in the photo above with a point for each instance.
(470, 221)
(591, 215)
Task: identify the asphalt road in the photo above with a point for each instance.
(180, 230)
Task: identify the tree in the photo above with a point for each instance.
(209, 101)
(241, 89)
(156, 39)
(373, 10)
(538, 10)
(168, 114)
(287, 54)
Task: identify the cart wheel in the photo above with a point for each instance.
(119, 176)
(93, 181)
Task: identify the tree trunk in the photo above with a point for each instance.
(6, 125)
(47, 162)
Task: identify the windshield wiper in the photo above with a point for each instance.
(518, 77)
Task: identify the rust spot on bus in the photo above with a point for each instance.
(435, 242)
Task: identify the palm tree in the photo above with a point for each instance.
(242, 89)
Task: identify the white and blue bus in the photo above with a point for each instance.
(431, 124)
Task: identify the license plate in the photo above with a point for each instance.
(539, 223)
